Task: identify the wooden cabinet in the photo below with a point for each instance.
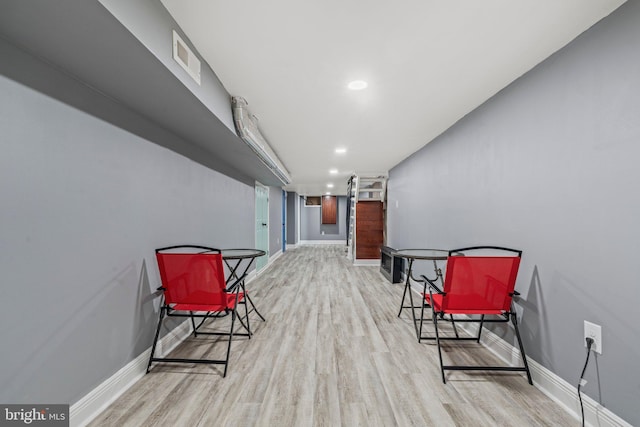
(329, 209)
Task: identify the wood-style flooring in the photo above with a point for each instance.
(332, 353)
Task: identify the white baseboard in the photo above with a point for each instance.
(97, 400)
(291, 246)
(322, 242)
(275, 256)
(272, 258)
(553, 386)
(556, 388)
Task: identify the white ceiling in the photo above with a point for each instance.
(427, 64)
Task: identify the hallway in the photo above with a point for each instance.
(332, 352)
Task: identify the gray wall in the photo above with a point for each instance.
(275, 220)
(311, 227)
(550, 166)
(84, 203)
(292, 214)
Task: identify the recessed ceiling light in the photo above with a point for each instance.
(329, 185)
(333, 171)
(328, 193)
(341, 150)
(357, 85)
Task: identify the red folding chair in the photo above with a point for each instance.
(475, 286)
(193, 286)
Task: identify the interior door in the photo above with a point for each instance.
(284, 221)
(262, 224)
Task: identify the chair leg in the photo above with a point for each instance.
(435, 324)
(226, 362)
(406, 286)
(246, 300)
(404, 294)
(193, 323)
(246, 313)
(246, 309)
(246, 327)
(246, 317)
(453, 323)
(155, 339)
(514, 320)
(421, 320)
(480, 328)
(254, 307)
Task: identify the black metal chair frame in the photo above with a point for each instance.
(230, 288)
(166, 310)
(509, 316)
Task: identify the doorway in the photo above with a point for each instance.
(284, 221)
(262, 224)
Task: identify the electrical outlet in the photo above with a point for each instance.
(591, 330)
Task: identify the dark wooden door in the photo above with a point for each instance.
(369, 226)
(329, 209)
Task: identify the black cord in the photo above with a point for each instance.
(589, 344)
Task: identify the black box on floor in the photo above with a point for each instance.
(391, 266)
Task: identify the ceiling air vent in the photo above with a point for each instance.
(247, 128)
(185, 57)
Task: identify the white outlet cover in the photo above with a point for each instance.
(594, 331)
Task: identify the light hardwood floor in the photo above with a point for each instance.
(332, 353)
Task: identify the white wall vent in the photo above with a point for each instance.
(185, 57)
